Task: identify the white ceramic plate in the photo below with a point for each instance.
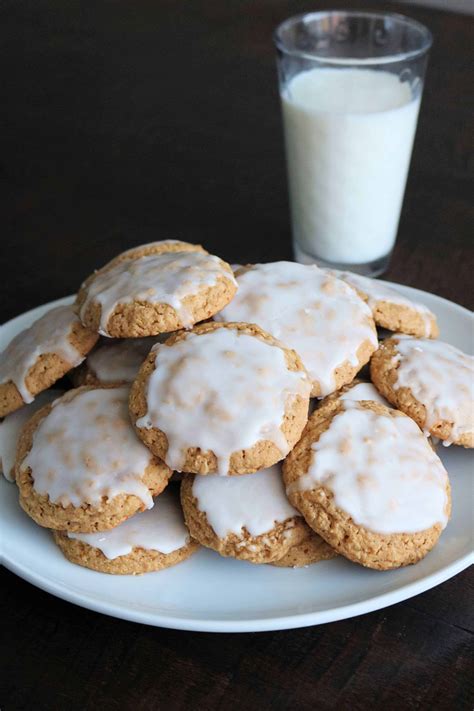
(214, 594)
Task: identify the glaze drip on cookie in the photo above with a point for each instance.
(159, 529)
(441, 378)
(119, 360)
(363, 391)
(222, 391)
(391, 309)
(381, 471)
(254, 502)
(376, 292)
(164, 278)
(49, 334)
(86, 449)
(309, 310)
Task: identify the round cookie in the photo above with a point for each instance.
(11, 427)
(151, 540)
(113, 361)
(80, 467)
(430, 381)
(321, 317)
(313, 549)
(41, 354)
(366, 479)
(390, 309)
(155, 289)
(222, 398)
(248, 518)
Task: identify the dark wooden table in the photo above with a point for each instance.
(125, 122)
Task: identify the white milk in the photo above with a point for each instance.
(349, 136)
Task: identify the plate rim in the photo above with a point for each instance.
(284, 622)
(223, 625)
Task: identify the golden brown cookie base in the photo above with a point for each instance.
(346, 372)
(403, 319)
(263, 454)
(142, 318)
(46, 370)
(373, 550)
(383, 372)
(400, 318)
(312, 550)
(87, 518)
(329, 403)
(137, 562)
(266, 548)
(161, 247)
(134, 253)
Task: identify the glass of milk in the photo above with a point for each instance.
(351, 86)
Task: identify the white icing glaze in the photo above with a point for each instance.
(440, 377)
(159, 529)
(364, 391)
(381, 470)
(49, 334)
(156, 279)
(221, 391)
(86, 449)
(119, 360)
(12, 425)
(377, 291)
(256, 502)
(308, 310)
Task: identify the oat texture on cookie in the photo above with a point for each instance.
(321, 317)
(357, 390)
(312, 549)
(366, 479)
(41, 354)
(153, 290)
(390, 309)
(80, 465)
(223, 398)
(245, 517)
(150, 540)
(432, 382)
(158, 247)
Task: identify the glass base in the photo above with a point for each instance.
(368, 269)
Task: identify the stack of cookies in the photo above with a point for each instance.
(186, 370)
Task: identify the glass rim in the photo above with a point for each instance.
(425, 33)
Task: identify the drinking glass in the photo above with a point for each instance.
(350, 86)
